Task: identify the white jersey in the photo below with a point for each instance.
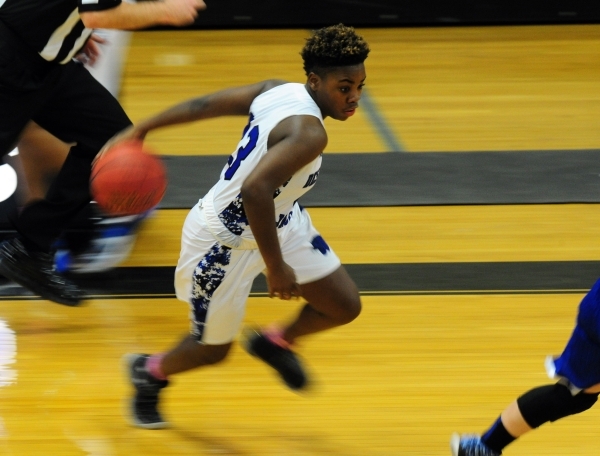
(223, 203)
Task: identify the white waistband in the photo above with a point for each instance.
(220, 231)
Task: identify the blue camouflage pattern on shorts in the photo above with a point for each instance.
(207, 277)
(233, 216)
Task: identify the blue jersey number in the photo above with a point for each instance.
(236, 159)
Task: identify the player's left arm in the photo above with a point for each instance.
(295, 142)
(123, 15)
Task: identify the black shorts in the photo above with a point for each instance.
(68, 102)
(65, 99)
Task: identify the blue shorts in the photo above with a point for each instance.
(580, 361)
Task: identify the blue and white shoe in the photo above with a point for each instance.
(469, 445)
(110, 245)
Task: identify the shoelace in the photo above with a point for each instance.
(475, 447)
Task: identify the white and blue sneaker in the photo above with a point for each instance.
(469, 445)
(110, 244)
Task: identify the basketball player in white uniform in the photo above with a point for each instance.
(250, 221)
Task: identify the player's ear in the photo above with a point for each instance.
(314, 80)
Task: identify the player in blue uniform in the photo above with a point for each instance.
(578, 372)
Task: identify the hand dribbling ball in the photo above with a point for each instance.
(128, 180)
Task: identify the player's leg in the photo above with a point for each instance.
(41, 155)
(32, 269)
(215, 320)
(82, 111)
(149, 374)
(333, 300)
(217, 309)
(577, 390)
(534, 408)
(92, 242)
(215, 280)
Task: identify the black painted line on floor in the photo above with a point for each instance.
(419, 179)
(372, 279)
(381, 294)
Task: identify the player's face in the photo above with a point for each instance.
(337, 93)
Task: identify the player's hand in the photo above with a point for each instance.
(129, 134)
(282, 283)
(91, 51)
(182, 12)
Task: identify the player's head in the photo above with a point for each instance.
(334, 64)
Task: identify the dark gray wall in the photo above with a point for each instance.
(365, 13)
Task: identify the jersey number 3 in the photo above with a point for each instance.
(236, 159)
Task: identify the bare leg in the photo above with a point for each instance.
(513, 420)
(189, 354)
(540, 405)
(332, 301)
(42, 156)
(148, 375)
(592, 389)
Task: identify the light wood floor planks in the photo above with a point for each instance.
(429, 234)
(397, 381)
(441, 89)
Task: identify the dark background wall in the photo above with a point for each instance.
(381, 13)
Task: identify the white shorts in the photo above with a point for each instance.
(216, 280)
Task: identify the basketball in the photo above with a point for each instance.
(128, 180)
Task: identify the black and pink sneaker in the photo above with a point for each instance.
(144, 411)
(280, 358)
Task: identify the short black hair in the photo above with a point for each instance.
(333, 46)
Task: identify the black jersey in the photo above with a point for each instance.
(52, 28)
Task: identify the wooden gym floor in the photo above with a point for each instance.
(413, 368)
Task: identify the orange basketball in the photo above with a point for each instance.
(128, 180)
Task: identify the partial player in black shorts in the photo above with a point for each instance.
(40, 81)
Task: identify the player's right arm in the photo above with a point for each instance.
(234, 101)
(134, 16)
(228, 102)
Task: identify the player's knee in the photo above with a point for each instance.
(553, 402)
(351, 309)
